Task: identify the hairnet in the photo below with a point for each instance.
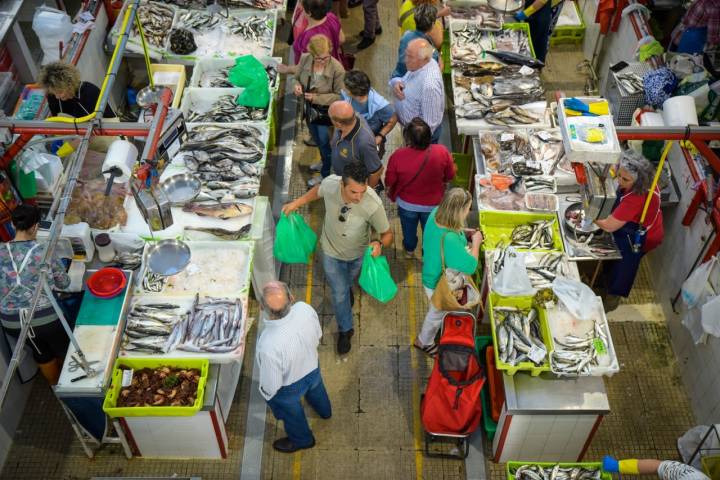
(639, 168)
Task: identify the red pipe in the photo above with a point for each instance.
(700, 192)
(709, 155)
(14, 149)
(163, 105)
(694, 136)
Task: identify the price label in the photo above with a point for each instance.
(126, 378)
(544, 136)
(525, 70)
(533, 164)
(600, 347)
(537, 354)
(506, 137)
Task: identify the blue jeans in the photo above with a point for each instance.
(286, 406)
(409, 221)
(321, 135)
(340, 275)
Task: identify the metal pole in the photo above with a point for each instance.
(56, 227)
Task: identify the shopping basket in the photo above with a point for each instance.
(451, 409)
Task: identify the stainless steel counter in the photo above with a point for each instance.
(548, 395)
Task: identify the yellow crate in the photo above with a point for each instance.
(497, 300)
(110, 404)
(172, 76)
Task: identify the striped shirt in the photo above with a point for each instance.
(424, 95)
(287, 348)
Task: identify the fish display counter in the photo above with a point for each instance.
(186, 33)
(549, 419)
(494, 76)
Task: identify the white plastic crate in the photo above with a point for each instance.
(206, 67)
(583, 153)
(202, 100)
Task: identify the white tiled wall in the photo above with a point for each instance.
(549, 438)
(671, 263)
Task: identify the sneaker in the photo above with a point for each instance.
(316, 167)
(285, 445)
(611, 302)
(309, 141)
(314, 181)
(409, 255)
(343, 343)
(365, 43)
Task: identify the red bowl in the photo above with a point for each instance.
(107, 282)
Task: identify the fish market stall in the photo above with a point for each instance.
(98, 330)
(185, 34)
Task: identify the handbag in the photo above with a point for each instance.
(347, 60)
(392, 195)
(443, 297)
(316, 114)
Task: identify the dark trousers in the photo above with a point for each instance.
(539, 23)
(286, 406)
(372, 19)
(409, 222)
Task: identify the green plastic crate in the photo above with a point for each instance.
(109, 405)
(445, 53)
(497, 226)
(569, 34)
(524, 27)
(464, 164)
(489, 424)
(513, 466)
(496, 300)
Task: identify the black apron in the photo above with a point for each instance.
(622, 273)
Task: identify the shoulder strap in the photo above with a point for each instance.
(442, 251)
(405, 16)
(419, 170)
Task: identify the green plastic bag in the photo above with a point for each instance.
(375, 277)
(250, 74)
(294, 239)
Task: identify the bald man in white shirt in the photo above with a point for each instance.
(286, 353)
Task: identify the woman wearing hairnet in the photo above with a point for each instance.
(634, 176)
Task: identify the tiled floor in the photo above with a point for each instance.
(375, 431)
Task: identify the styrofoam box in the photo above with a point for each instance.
(563, 323)
(202, 100)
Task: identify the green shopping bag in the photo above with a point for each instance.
(250, 74)
(375, 277)
(294, 239)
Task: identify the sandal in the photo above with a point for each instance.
(430, 350)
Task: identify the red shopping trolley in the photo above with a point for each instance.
(450, 408)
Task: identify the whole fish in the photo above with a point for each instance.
(225, 234)
(517, 58)
(222, 211)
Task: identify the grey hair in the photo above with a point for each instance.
(640, 169)
(274, 287)
(425, 17)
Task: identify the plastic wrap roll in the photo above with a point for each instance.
(680, 111)
(123, 155)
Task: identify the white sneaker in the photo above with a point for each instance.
(314, 181)
(316, 167)
(409, 255)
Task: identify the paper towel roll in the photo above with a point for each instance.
(121, 154)
(680, 111)
(651, 119)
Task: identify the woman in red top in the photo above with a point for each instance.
(634, 177)
(415, 179)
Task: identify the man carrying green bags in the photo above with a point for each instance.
(351, 211)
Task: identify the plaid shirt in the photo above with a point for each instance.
(702, 13)
(424, 95)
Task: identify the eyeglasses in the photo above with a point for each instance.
(343, 213)
(323, 58)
